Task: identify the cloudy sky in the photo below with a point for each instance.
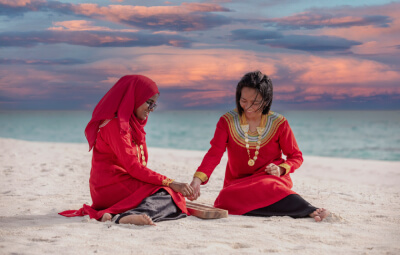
(319, 54)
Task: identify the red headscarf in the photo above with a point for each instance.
(130, 92)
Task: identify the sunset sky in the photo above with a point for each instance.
(65, 55)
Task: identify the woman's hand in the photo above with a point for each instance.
(185, 189)
(196, 188)
(273, 169)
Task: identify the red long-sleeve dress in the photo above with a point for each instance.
(247, 188)
(118, 180)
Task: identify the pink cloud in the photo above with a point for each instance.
(20, 83)
(285, 89)
(199, 98)
(204, 65)
(309, 19)
(344, 16)
(312, 98)
(376, 39)
(211, 76)
(204, 7)
(377, 27)
(83, 25)
(111, 80)
(126, 12)
(187, 16)
(343, 92)
(166, 32)
(20, 3)
(286, 97)
(184, 17)
(187, 68)
(220, 70)
(325, 71)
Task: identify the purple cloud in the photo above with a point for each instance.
(17, 7)
(316, 20)
(185, 17)
(311, 43)
(294, 42)
(91, 39)
(254, 34)
(65, 61)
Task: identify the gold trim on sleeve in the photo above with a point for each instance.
(202, 176)
(144, 163)
(286, 166)
(167, 182)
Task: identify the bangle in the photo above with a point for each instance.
(202, 176)
(287, 167)
(167, 181)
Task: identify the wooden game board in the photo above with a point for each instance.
(205, 212)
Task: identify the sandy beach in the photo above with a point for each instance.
(38, 180)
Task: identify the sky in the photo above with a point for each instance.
(333, 55)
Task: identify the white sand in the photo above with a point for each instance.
(38, 180)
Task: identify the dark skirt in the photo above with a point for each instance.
(293, 205)
(159, 207)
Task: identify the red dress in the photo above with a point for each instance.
(118, 180)
(247, 188)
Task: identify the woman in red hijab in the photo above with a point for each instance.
(120, 182)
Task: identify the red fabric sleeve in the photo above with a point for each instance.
(126, 154)
(288, 144)
(215, 153)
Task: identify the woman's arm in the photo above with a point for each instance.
(126, 152)
(288, 144)
(212, 157)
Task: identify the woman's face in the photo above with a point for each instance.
(142, 112)
(251, 102)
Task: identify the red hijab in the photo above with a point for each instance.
(121, 101)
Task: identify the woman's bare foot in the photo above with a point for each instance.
(106, 217)
(320, 214)
(141, 219)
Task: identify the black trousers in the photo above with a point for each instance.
(159, 207)
(293, 205)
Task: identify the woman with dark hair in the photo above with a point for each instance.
(120, 182)
(257, 178)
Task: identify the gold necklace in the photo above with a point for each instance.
(260, 130)
(141, 153)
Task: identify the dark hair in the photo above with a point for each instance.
(262, 84)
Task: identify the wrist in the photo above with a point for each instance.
(197, 180)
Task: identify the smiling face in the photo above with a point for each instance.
(142, 112)
(251, 102)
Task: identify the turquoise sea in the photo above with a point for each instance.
(346, 134)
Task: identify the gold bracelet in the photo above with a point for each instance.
(287, 168)
(202, 176)
(167, 181)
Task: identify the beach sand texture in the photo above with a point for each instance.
(38, 180)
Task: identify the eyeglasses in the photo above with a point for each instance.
(151, 105)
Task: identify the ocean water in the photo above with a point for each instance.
(346, 134)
